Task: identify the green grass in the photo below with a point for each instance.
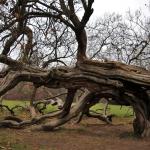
(117, 110)
(12, 103)
(49, 108)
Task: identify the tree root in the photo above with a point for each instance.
(105, 118)
(13, 118)
(73, 113)
(9, 109)
(17, 123)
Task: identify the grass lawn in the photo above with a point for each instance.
(117, 110)
(12, 103)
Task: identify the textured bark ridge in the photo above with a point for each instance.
(125, 84)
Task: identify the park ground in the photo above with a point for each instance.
(90, 134)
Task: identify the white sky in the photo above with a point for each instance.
(119, 6)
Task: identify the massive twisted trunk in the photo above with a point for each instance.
(141, 104)
(127, 85)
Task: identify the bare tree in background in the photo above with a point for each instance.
(126, 84)
(125, 40)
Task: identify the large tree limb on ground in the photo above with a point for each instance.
(109, 79)
(13, 123)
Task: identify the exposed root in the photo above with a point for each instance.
(13, 118)
(9, 109)
(105, 118)
(73, 113)
(13, 122)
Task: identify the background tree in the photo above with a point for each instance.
(122, 39)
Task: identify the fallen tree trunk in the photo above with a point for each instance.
(104, 79)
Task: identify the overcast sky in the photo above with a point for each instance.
(119, 6)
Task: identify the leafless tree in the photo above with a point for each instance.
(126, 84)
(126, 40)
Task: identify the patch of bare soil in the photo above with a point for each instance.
(90, 134)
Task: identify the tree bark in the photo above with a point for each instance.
(126, 84)
(32, 100)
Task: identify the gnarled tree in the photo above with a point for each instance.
(126, 84)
